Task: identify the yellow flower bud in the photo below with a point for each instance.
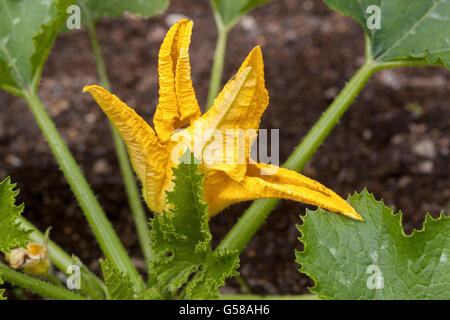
(33, 260)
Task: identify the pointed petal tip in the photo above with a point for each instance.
(257, 48)
(92, 88)
(353, 215)
(256, 52)
(183, 21)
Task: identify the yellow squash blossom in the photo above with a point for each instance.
(178, 121)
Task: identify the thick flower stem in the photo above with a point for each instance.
(134, 198)
(256, 214)
(217, 69)
(107, 238)
(37, 286)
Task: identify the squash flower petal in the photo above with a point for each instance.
(231, 176)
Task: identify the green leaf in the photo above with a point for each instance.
(12, 235)
(97, 9)
(27, 32)
(373, 259)
(230, 11)
(2, 291)
(410, 29)
(118, 285)
(185, 266)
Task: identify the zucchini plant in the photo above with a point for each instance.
(189, 170)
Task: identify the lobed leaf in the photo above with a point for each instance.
(118, 285)
(410, 29)
(11, 234)
(373, 259)
(230, 11)
(27, 32)
(185, 266)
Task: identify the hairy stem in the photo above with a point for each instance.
(107, 238)
(134, 198)
(217, 68)
(256, 214)
(37, 286)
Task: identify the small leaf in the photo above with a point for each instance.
(409, 29)
(11, 234)
(230, 11)
(98, 9)
(2, 291)
(118, 285)
(373, 259)
(185, 266)
(27, 32)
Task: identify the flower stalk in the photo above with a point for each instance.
(217, 68)
(134, 198)
(37, 286)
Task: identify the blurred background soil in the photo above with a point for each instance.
(394, 139)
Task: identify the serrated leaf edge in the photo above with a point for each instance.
(428, 219)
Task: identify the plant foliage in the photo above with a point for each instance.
(230, 11)
(27, 32)
(116, 8)
(185, 266)
(1, 290)
(374, 259)
(118, 285)
(409, 29)
(12, 235)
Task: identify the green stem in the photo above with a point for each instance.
(217, 68)
(90, 284)
(39, 287)
(134, 198)
(256, 214)
(107, 238)
(51, 278)
(404, 63)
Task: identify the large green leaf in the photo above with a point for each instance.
(116, 8)
(410, 29)
(230, 11)
(373, 259)
(185, 265)
(11, 234)
(118, 285)
(27, 32)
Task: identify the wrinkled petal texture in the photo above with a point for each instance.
(230, 175)
(222, 191)
(148, 156)
(235, 114)
(178, 105)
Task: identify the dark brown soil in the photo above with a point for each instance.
(394, 140)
